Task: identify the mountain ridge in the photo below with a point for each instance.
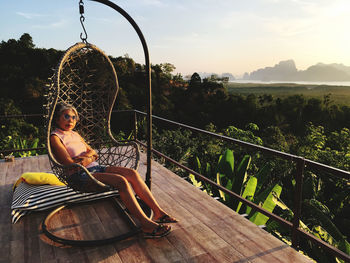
(286, 71)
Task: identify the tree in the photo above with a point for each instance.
(195, 79)
(26, 41)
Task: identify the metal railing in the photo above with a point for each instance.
(301, 164)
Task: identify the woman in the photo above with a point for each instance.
(69, 147)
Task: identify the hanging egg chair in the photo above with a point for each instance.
(86, 79)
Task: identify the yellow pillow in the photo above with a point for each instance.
(37, 178)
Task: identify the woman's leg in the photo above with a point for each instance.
(128, 197)
(140, 188)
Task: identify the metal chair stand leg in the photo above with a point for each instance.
(99, 242)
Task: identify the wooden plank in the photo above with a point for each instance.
(160, 250)
(235, 230)
(3, 171)
(44, 164)
(262, 249)
(184, 242)
(31, 249)
(276, 249)
(5, 251)
(184, 216)
(110, 216)
(16, 251)
(31, 239)
(130, 251)
(227, 254)
(104, 254)
(86, 214)
(5, 202)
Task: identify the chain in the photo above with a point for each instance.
(82, 19)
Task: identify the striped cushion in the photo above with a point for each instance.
(28, 198)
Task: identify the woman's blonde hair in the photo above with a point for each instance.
(61, 107)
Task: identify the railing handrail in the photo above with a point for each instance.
(301, 163)
(312, 164)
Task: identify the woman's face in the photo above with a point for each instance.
(67, 120)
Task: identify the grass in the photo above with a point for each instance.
(339, 94)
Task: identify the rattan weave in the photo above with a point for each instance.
(85, 78)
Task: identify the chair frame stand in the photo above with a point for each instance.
(135, 229)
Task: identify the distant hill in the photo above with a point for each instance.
(286, 70)
(223, 75)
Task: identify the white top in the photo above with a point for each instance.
(73, 143)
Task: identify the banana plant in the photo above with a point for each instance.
(236, 180)
(269, 205)
(231, 178)
(322, 227)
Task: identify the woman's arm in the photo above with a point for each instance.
(90, 153)
(59, 151)
(62, 155)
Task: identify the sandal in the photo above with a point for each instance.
(158, 231)
(166, 219)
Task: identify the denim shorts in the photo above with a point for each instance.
(83, 178)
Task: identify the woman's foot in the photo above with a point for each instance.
(165, 219)
(158, 231)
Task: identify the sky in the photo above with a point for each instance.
(214, 36)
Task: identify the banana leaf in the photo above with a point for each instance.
(279, 203)
(310, 186)
(248, 208)
(249, 190)
(261, 197)
(313, 207)
(198, 165)
(226, 167)
(262, 176)
(269, 205)
(344, 246)
(321, 233)
(218, 181)
(196, 183)
(35, 145)
(241, 174)
(208, 170)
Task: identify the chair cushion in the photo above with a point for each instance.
(28, 198)
(38, 178)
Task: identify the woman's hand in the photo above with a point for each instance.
(89, 154)
(83, 160)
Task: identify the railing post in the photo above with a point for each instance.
(135, 125)
(297, 201)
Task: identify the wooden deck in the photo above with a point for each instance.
(208, 231)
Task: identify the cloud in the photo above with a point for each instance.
(42, 21)
(58, 24)
(30, 15)
(157, 3)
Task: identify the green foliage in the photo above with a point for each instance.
(269, 205)
(16, 133)
(19, 144)
(248, 192)
(244, 135)
(317, 220)
(177, 144)
(236, 180)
